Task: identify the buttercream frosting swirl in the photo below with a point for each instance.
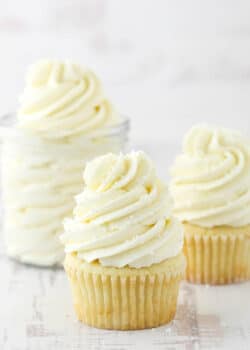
(211, 178)
(124, 215)
(64, 121)
(63, 100)
(39, 183)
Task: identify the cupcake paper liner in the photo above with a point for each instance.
(125, 298)
(215, 257)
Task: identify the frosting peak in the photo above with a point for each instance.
(63, 99)
(47, 72)
(211, 178)
(111, 172)
(123, 217)
(202, 140)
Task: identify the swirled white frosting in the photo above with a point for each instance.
(211, 179)
(63, 122)
(63, 99)
(123, 217)
(39, 182)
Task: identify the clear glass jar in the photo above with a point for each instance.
(40, 178)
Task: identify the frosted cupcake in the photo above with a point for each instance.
(64, 120)
(211, 189)
(123, 247)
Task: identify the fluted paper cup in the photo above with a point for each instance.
(125, 298)
(219, 255)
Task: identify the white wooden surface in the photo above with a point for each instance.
(36, 314)
(167, 64)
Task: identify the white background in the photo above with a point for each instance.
(167, 64)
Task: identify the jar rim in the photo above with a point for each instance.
(122, 127)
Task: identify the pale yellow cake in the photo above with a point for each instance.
(217, 255)
(125, 298)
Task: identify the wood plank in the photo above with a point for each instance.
(36, 313)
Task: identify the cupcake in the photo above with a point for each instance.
(211, 190)
(64, 120)
(123, 247)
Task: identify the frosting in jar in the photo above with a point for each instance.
(124, 215)
(39, 182)
(64, 121)
(211, 178)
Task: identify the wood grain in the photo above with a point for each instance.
(36, 314)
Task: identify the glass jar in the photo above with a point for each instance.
(40, 178)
